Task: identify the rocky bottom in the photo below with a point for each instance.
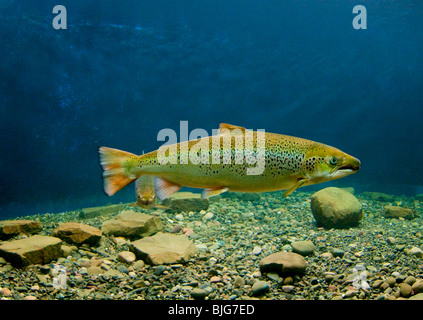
(380, 259)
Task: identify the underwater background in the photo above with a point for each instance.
(122, 71)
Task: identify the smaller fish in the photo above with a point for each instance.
(146, 194)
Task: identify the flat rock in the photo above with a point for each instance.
(418, 296)
(283, 263)
(335, 208)
(78, 233)
(11, 228)
(92, 212)
(379, 196)
(33, 250)
(185, 202)
(132, 224)
(164, 248)
(398, 212)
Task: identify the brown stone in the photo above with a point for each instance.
(78, 233)
(10, 228)
(283, 263)
(164, 248)
(132, 224)
(33, 250)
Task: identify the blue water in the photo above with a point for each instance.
(120, 73)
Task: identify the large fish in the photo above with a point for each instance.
(284, 163)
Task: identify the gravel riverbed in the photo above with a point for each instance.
(380, 259)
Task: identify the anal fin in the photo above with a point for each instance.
(212, 192)
(164, 188)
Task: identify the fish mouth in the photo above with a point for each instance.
(349, 167)
(352, 166)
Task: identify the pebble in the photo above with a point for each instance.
(405, 290)
(415, 251)
(305, 248)
(5, 292)
(126, 256)
(239, 282)
(198, 293)
(259, 288)
(208, 216)
(230, 269)
(256, 251)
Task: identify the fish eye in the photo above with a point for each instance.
(333, 161)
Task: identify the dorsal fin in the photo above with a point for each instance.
(230, 127)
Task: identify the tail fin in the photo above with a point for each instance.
(114, 178)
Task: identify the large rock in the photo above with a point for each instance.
(164, 248)
(398, 212)
(10, 228)
(283, 263)
(335, 208)
(132, 224)
(78, 233)
(186, 201)
(33, 250)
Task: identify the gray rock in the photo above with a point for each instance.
(379, 196)
(33, 250)
(283, 263)
(186, 201)
(304, 248)
(164, 248)
(132, 224)
(89, 213)
(198, 293)
(259, 288)
(11, 228)
(335, 208)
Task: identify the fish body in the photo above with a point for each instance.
(281, 163)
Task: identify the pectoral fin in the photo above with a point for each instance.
(299, 183)
(212, 192)
(165, 188)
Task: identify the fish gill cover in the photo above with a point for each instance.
(120, 72)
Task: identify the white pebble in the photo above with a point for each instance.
(208, 216)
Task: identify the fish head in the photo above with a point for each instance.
(145, 199)
(325, 163)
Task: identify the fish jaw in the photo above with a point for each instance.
(349, 166)
(325, 163)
